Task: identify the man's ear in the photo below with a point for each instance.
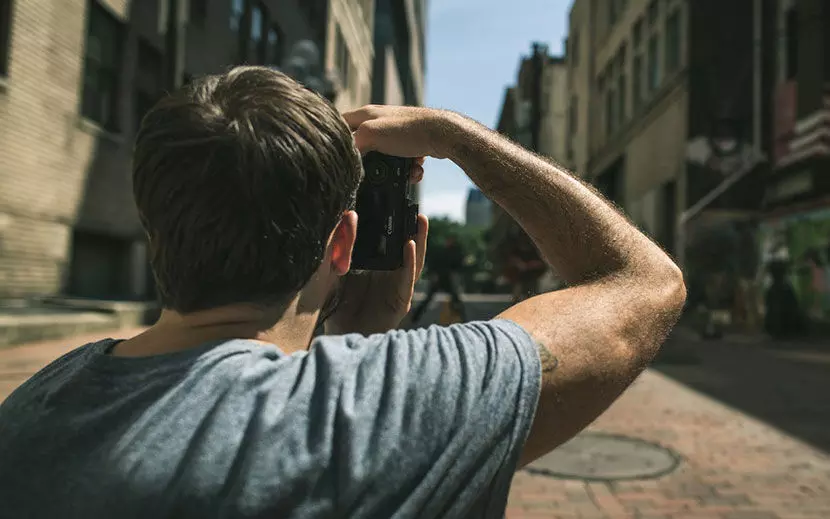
(342, 243)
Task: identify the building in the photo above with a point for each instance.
(76, 76)
(400, 52)
(534, 113)
(400, 55)
(796, 224)
(656, 83)
(349, 50)
(478, 210)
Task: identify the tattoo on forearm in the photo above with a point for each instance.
(548, 359)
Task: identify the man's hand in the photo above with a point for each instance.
(376, 302)
(402, 131)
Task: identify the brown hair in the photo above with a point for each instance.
(239, 179)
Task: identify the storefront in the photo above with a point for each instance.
(802, 240)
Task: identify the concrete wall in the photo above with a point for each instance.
(645, 147)
(49, 153)
(65, 188)
(553, 139)
(656, 152)
(355, 18)
(580, 85)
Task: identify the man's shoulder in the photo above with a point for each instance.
(459, 333)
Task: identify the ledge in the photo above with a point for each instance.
(92, 128)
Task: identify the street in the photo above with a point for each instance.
(740, 433)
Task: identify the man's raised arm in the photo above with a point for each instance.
(624, 294)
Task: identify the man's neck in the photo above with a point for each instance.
(289, 328)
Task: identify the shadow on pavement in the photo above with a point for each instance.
(788, 389)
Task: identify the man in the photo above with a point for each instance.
(444, 263)
(245, 184)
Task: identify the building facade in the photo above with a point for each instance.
(349, 50)
(668, 101)
(478, 209)
(400, 52)
(796, 226)
(76, 77)
(653, 80)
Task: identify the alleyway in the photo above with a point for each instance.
(666, 450)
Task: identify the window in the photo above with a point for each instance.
(102, 60)
(621, 101)
(256, 49)
(653, 64)
(792, 43)
(237, 13)
(5, 35)
(274, 46)
(198, 12)
(149, 80)
(637, 35)
(637, 81)
(653, 12)
(573, 115)
(673, 42)
(343, 59)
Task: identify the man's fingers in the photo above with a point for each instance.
(421, 244)
(357, 117)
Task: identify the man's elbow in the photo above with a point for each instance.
(664, 299)
(672, 295)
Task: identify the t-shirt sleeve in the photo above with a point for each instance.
(431, 422)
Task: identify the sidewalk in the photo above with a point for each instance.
(729, 466)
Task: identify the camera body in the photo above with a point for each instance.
(387, 215)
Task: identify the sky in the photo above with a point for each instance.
(473, 53)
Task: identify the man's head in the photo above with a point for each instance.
(243, 182)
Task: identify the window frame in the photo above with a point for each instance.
(6, 17)
(653, 72)
(672, 57)
(96, 9)
(256, 50)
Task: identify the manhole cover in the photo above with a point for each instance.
(606, 457)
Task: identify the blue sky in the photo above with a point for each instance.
(473, 52)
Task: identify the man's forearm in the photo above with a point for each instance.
(581, 235)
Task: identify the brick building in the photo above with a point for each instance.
(651, 81)
(796, 223)
(76, 76)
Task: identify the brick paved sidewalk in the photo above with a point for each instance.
(732, 466)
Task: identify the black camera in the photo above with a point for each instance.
(387, 215)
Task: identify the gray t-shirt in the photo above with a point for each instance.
(422, 424)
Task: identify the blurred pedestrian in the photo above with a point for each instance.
(444, 263)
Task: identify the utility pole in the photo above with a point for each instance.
(174, 43)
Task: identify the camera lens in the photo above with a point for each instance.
(378, 174)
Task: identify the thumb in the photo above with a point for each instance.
(407, 276)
